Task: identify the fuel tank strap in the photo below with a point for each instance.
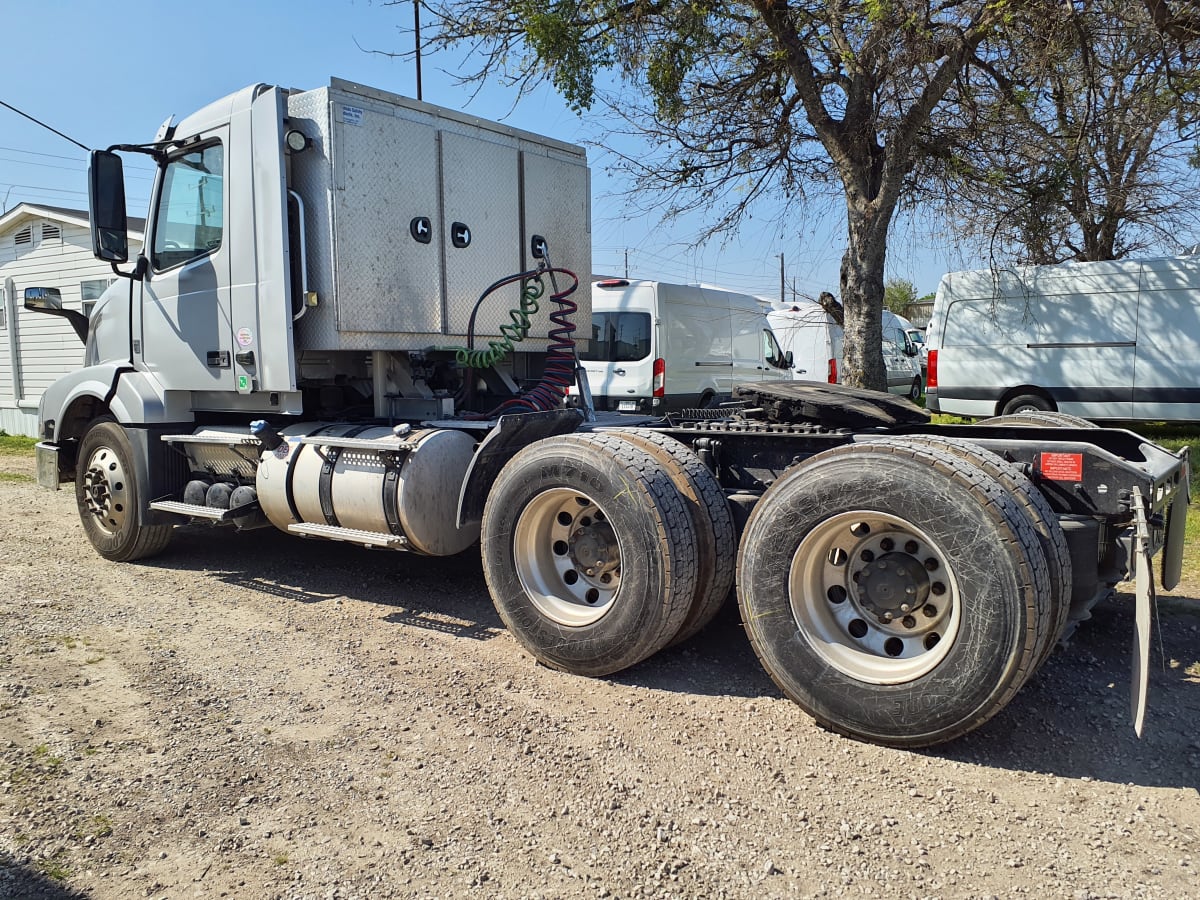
(391, 492)
(325, 484)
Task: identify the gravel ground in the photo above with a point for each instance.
(256, 716)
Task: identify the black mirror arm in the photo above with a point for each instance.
(139, 269)
(78, 320)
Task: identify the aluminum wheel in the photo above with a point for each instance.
(106, 490)
(874, 597)
(568, 557)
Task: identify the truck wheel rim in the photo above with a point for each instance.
(875, 597)
(568, 557)
(106, 490)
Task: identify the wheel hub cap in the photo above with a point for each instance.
(568, 557)
(893, 586)
(105, 490)
(874, 597)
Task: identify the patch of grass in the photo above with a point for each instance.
(101, 826)
(41, 754)
(15, 445)
(281, 859)
(92, 660)
(16, 478)
(54, 868)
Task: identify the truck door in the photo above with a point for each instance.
(187, 338)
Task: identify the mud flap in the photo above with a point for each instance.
(1172, 559)
(1144, 600)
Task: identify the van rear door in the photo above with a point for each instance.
(1166, 377)
(620, 358)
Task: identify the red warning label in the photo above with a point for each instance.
(1062, 466)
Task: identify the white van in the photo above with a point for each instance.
(657, 347)
(815, 341)
(1103, 340)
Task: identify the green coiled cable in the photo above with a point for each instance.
(512, 332)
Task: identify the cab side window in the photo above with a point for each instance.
(190, 221)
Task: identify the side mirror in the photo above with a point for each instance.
(106, 198)
(788, 360)
(40, 299)
(49, 301)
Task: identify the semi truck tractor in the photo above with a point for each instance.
(355, 319)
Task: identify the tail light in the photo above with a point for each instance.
(931, 370)
(660, 377)
(833, 371)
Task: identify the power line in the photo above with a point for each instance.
(44, 125)
(81, 168)
(68, 158)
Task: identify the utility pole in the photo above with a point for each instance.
(627, 262)
(782, 282)
(417, 33)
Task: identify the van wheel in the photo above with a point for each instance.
(712, 520)
(1026, 403)
(108, 496)
(589, 552)
(896, 593)
(915, 390)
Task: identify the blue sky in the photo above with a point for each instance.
(112, 72)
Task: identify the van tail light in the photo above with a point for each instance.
(931, 370)
(660, 377)
(833, 371)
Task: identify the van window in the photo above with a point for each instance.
(619, 337)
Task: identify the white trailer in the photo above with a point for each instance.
(355, 320)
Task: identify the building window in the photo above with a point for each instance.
(90, 292)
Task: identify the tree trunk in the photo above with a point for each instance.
(862, 299)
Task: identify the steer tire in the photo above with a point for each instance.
(1041, 516)
(108, 496)
(833, 548)
(589, 552)
(716, 538)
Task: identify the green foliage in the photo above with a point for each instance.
(898, 293)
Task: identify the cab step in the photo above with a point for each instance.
(350, 535)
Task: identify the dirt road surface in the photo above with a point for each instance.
(257, 716)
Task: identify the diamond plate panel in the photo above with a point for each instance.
(555, 192)
(386, 159)
(386, 171)
(480, 190)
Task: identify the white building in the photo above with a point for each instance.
(44, 246)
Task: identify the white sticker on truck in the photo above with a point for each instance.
(352, 115)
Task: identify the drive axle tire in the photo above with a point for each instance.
(589, 553)
(897, 593)
(716, 538)
(109, 497)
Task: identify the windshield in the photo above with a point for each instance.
(619, 337)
